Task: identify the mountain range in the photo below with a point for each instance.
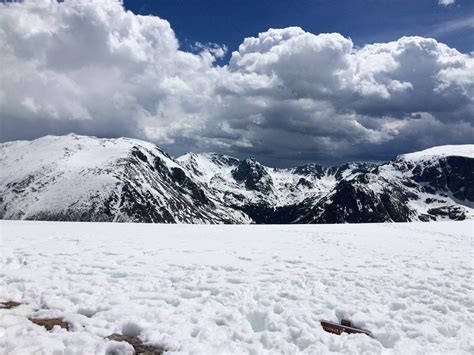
(81, 178)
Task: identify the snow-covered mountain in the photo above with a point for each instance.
(244, 182)
(434, 184)
(89, 179)
(79, 178)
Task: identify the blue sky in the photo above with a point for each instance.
(365, 21)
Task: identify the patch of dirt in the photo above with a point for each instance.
(9, 304)
(137, 344)
(50, 323)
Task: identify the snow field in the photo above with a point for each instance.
(238, 289)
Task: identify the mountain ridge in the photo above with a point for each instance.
(85, 178)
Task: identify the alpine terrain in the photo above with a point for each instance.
(79, 178)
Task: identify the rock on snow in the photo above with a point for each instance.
(239, 288)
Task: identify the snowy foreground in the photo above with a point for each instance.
(238, 289)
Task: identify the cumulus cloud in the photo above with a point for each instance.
(92, 66)
(286, 96)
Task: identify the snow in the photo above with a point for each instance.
(461, 150)
(207, 165)
(286, 180)
(216, 171)
(66, 169)
(82, 178)
(73, 176)
(238, 288)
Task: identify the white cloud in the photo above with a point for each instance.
(460, 24)
(446, 2)
(285, 96)
(330, 98)
(92, 63)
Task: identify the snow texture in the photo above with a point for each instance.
(238, 288)
(461, 150)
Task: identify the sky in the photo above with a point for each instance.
(288, 82)
(365, 21)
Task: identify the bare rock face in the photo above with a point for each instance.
(253, 175)
(352, 202)
(454, 213)
(451, 174)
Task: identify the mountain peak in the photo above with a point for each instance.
(84, 178)
(462, 150)
(253, 175)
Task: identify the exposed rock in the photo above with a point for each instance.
(310, 169)
(137, 344)
(253, 175)
(453, 212)
(49, 323)
(9, 304)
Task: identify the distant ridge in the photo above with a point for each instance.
(80, 178)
